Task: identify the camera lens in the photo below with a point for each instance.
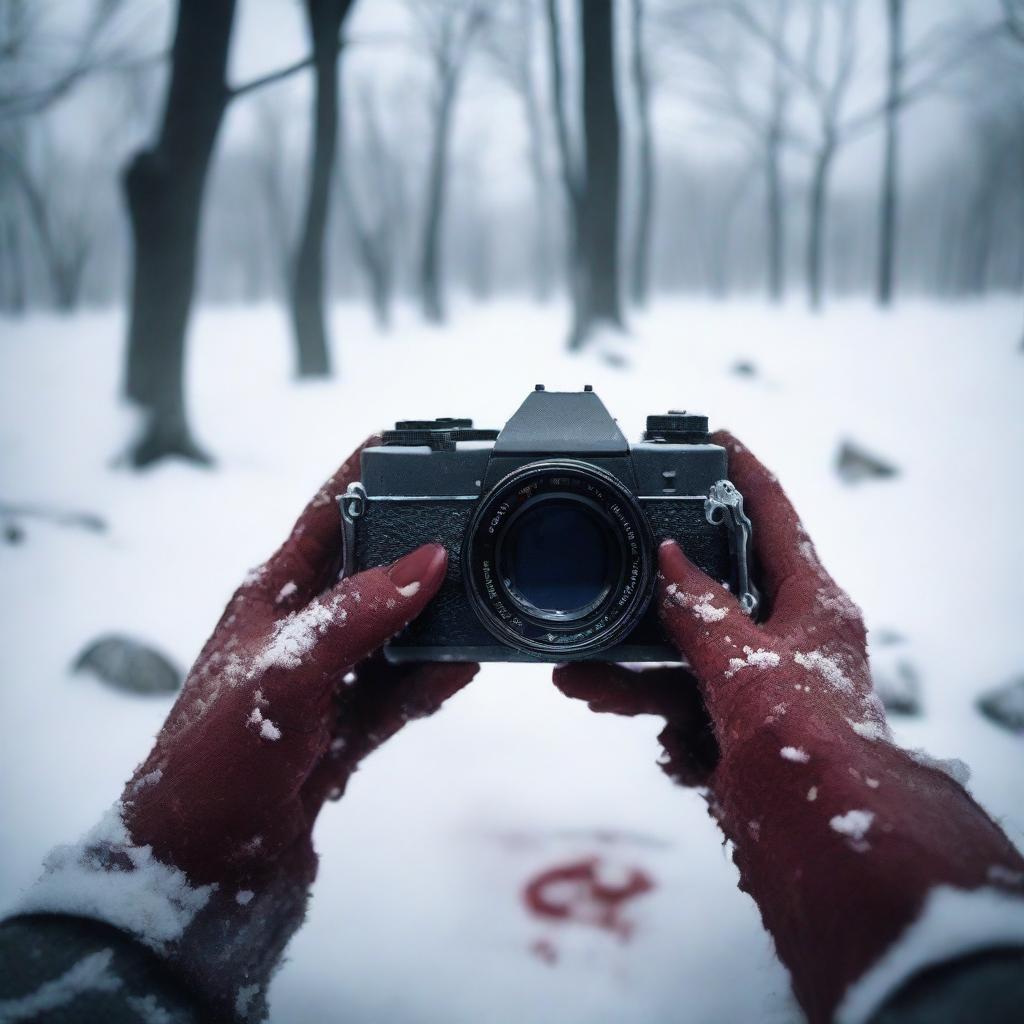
(558, 559)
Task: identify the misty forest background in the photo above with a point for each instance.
(158, 155)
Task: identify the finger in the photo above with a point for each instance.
(606, 687)
(690, 754)
(381, 700)
(688, 740)
(788, 562)
(311, 556)
(701, 617)
(310, 649)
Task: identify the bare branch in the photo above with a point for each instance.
(1013, 11)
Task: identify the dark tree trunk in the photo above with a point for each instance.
(542, 263)
(572, 185)
(598, 237)
(431, 286)
(775, 207)
(775, 216)
(887, 227)
(817, 223)
(640, 265)
(164, 191)
(325, 18)
(373, 230)
(14, 289)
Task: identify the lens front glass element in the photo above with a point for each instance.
(558, 560)
(559, 557)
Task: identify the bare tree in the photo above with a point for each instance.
(511, 45)
(164, 186)
(745, 81)
(12, 263)
(325, 18)
(63, 235)
(1013, 15)
(448, 29)
(828, 91)
(164, 189)
(273, 187)
(570, 170)
(890, 160)
(645, 184)
(592, 190)
(824, 75)
(32, 85)
(374, 215)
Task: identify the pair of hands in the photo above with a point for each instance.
(840, 837)
(291, 691)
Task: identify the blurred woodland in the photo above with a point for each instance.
(604, 151)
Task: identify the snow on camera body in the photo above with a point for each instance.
(552, 527)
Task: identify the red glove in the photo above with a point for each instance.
(846, 842)
(209, 856)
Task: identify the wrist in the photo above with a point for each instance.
(222, 938)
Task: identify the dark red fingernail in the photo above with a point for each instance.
(671, 559)
(423, 565)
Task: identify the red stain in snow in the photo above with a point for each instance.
(581, 891)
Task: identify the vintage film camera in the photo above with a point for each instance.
(552, 526)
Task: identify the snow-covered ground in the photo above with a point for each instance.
(418, 913)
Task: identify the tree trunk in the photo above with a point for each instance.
(164, 191)
(572, 186)
(542, 262)
(775, 209)
(373, 232)
(598, 237)
(817, 224)
(14, 291)
(887, 227)
(325, 18)
(431, 295)
(640, 266)
(775, 216)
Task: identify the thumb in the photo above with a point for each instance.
(344, 625)
(702, 618)
(372, 606)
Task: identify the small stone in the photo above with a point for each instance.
(1005, 706)
(898, 687)
(855, 465)
(129, 665)
(886, 637)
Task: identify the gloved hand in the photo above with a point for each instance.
(209, 856)
(843, 839)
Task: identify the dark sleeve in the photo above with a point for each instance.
(987, 988)
(71, 970)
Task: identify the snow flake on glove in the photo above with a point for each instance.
(761, 658)
(854, 826)
(699, 604)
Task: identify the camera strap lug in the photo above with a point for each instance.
(724, 507)
(353, 505)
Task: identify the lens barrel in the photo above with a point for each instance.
(558, 559)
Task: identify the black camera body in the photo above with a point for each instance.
(552, 527)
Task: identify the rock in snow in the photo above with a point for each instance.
(898, 686)
(1005, 706)
(129, 665)
(854, 464)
